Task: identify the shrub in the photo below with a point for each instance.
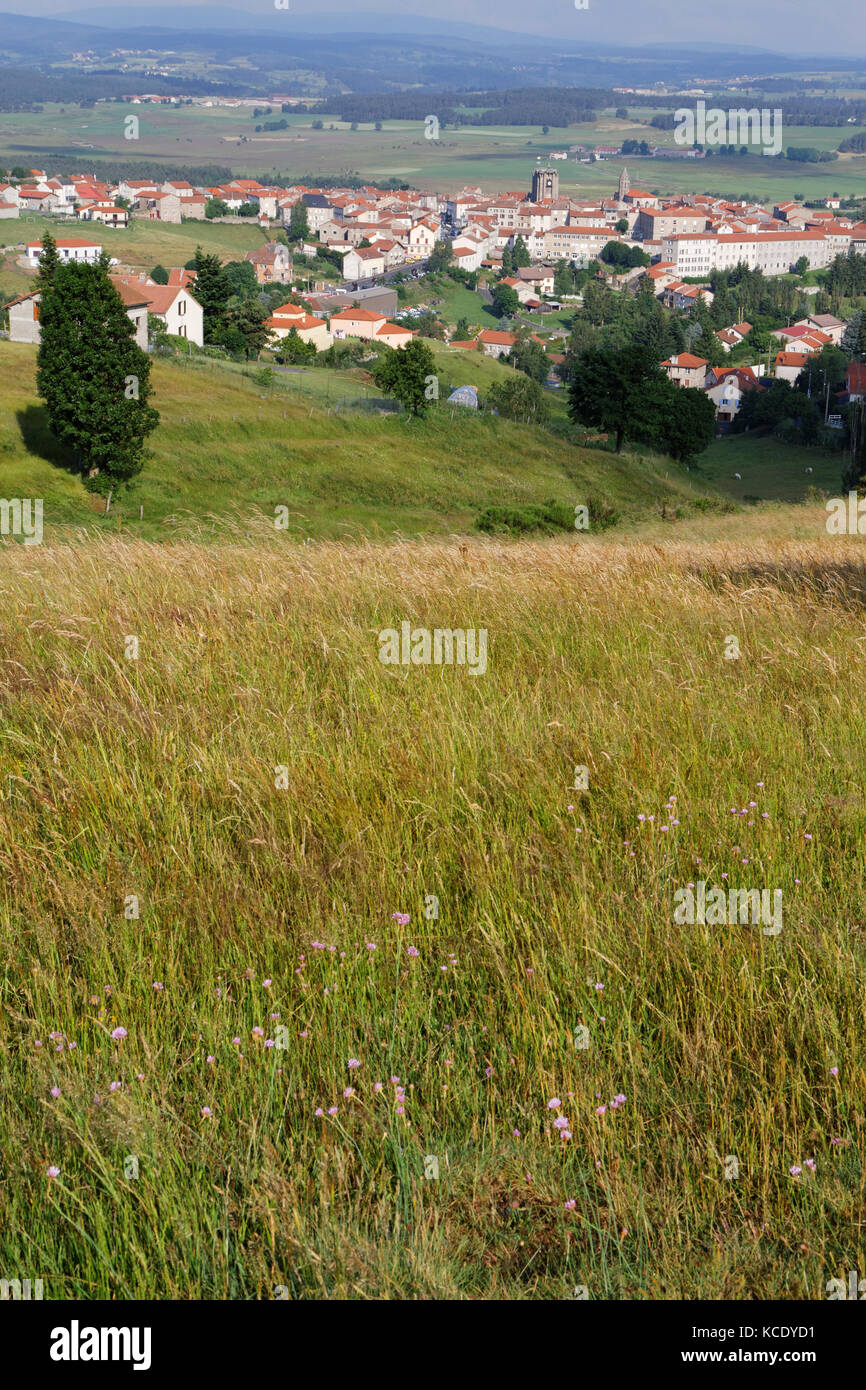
(546, 517)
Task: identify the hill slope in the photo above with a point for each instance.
(227, 449)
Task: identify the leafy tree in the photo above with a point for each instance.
(622, 225)
(774, 405)
(293, 349)
(801, 266)
(427, 325)
(247, 325)
(247, 210)
(583, 338)
(507, 262)
(241, 279)
(758, 339)
(215, 207)
(529, 357)
(519, 399)
(827, 367)
(92, 375)
(299, 222)
(461, 332)
(688, 422)
(563, 279)
(441, 257)
(159, 275)
(623, 257)
(505, 301)
(406, 373)
(609, 390)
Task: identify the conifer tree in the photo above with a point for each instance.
(91, 374)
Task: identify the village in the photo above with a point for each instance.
(379, 239)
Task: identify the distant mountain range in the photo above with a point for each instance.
(220, 18)
(357, 52)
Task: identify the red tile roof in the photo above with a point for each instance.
(685, 359)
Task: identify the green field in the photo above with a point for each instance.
(143, 243)
(769, 470)
(497, 158)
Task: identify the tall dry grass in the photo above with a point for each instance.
(155, 778)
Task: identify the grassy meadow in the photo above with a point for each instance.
(228, 450)
(237, 1064)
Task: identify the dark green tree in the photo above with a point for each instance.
(293, 348)
(408, 374)
(159, 275)
(609, 390)
(520, 256)
(92, 375)
(212, 290)
(505, 301)
(49, 262)
(688, 423)
(247, 320)
(529, 357)
(241, 279)
(597, 303)
(826, 368)
(851, 335)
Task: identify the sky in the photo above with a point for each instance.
(792, 26)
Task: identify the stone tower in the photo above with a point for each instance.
(545, 185)
(624, 185)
